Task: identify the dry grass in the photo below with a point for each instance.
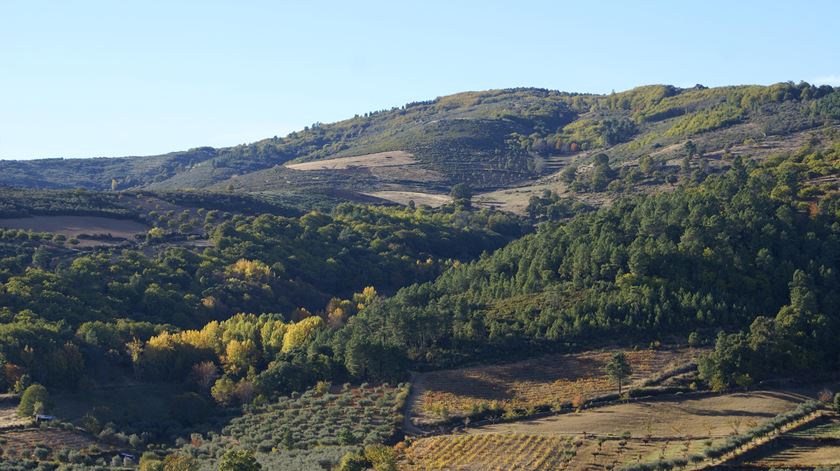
(380, 159)
(9, 417)
(815, 445)
(552, 379)
(707, 416)
(801, 454)
(403, 197)
(18, 443)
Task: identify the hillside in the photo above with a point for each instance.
(677, 243)
(492, 140)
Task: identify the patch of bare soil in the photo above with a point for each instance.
(403, 197)
(380, 159)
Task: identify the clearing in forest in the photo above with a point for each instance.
(75, 226)
(403, 197)
(548, 380)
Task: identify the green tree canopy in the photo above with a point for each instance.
(239, 460)
(618, 369)
(35, 399)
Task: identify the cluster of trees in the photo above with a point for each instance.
(715, 255)
(62, 310)
(236, 359)
(552, 207)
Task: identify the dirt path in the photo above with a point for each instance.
(411, 403)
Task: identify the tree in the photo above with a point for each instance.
(837, 402)
(179, 462)
(602, 173)
(35, 399)
(351, 462)
(462, 195)
(300, 333)
(618, 369)
(382, 457)
(239, 460)
(569, 173)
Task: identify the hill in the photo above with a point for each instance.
(491, 140)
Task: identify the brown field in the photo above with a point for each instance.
(817, 444)
(9, 417)
(602, 438)
(379, 159)
(551, 379)
(14, 443)
(800, 454)
(403, 197)
(705, 416)
(520, 451)
(73, 226)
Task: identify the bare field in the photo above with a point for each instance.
(551, 379)
(16, 443)
(817, 444)
(799, 454)
(712, 416)
(73, 226)
(403, 197)
(379, 159)
(9, 417)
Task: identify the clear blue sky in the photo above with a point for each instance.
(110, 78)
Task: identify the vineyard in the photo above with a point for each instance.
(519, 451)
(318, 426)
(553, 380)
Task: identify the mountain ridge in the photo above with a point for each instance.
(491, 140)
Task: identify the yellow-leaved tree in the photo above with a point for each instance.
(300, 333)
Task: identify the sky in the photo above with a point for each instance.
(115, 78)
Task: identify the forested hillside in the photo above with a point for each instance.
(747, 243)
(192, 305)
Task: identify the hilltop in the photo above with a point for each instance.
(495, 141)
